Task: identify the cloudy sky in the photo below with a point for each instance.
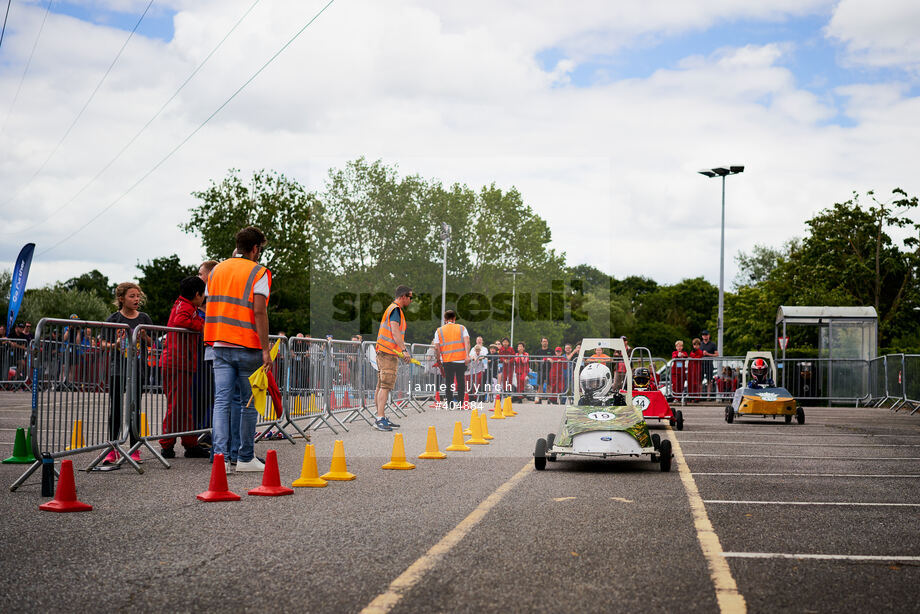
(600, 113)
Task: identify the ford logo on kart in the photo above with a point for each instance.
(606, 438)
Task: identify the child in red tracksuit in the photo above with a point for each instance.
(179, 363)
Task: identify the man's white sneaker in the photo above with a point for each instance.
(255, 466)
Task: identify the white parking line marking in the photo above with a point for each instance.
(832, 503)
(850, 458)
(808, 445)
(812, 475)
(822, 557)
(728, 597)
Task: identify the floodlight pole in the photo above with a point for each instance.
(722, 172)
(514, 273)
(445, 237)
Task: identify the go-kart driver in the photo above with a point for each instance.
(760, 374)
(595, 381)
(642, 378)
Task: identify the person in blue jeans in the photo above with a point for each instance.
(236, 329)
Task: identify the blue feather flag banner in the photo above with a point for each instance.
(18, 283)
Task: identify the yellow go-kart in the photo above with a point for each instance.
(767, 399)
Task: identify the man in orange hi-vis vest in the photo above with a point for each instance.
(452, 344)
(236, 333)
(391, 346)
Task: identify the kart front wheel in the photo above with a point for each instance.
(539, 455)
(664, 455)
(680, 420)
(800, 415)
(656, 440)
(729, 414)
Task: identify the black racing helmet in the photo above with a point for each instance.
(642, 377)
(759, 370)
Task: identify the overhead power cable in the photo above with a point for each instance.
(193, 132)
(85, 105)
(5, 17)
(137, 135)
(28, 64)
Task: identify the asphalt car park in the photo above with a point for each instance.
(819, 517)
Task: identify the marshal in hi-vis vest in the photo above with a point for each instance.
(229, 315)
(385, 341)
(450, 338)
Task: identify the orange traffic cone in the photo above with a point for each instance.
(309, 476)
(431, 446)
(498, 415)
(217, 488)
(338, 471)
(507, 409)
(65, 496)
(398, 458)
(457, 444)
(476, 426)
(483, 419)
(271, 479)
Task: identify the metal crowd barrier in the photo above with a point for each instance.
(309, 383)
(347, 397)
(400, 397)
(911, 381)
(81, 408)
(14, 364)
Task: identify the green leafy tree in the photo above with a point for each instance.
(159, 280)
(93, 282)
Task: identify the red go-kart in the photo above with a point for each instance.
(649, 399)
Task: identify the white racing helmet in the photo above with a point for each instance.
(595, 379)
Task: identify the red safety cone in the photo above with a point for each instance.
(466, 400)
(218, 489)
(437, 399)
(271, 480)
(65, 497)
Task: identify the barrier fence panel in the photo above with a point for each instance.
(894, 379)
(171, 390)
(911, 379)
(14, 364)
(78, 408)
(400, 397)
(876, 382)
(347, 363)
(699, 379)
(273, 423)
(308, 385)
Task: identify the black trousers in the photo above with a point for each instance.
(454, 372)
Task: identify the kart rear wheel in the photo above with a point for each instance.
(656, 440)
(788, 418)
(680, 420)
(729, 414)
(664, 455)
(550, 440)
(539, 455)
(800, 415)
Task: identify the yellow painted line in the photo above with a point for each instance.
(416, 571)
(621, 499)
(557, 499)
(730, 600)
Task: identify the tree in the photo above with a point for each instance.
(293, 223)
(93, 282)
(159, 280)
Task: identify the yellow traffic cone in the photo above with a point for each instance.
(476, 439)
(144, 426)
(457, 444)
(506, 409)
(312, 408)
(498, 415)
(308, 473)
(76, 436)
(485, 427)
(398, 459)
(298, 406)
(474, 416)
(431, 446)
(338, 470)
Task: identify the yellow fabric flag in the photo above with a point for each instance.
(259, 383)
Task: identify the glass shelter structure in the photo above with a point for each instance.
(847, 344)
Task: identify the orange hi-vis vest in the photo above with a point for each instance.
(229, 315)
(385, 341)
(450, 340)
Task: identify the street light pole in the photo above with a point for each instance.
(722, 172)
(445, 237)
(514, 273)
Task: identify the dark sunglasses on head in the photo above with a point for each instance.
(409, 296)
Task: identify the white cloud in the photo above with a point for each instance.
(447, 93)
(879, 34)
